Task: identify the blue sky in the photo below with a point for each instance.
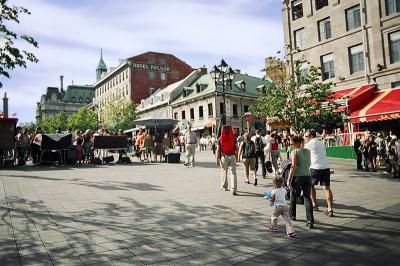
(200, 32)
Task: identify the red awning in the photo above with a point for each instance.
(355, 97)
(383, 105)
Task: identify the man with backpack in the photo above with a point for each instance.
(247, 152)
(226, 158)
(260, 157)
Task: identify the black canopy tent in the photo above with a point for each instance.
(155, 122)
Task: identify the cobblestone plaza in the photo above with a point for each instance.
(168, 214)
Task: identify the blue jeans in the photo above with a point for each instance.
(301, 183)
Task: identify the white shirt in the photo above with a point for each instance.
(280, 196)
(318, 154)
(398, 147)
(253, 138)
(38, 139)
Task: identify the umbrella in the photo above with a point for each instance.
(160, 122)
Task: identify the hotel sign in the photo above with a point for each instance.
(151, 67)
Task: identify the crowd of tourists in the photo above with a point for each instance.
(378, 150)
(306, 166)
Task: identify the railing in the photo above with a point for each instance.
(343, 139)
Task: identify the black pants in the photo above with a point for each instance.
(35, 153)
(301, 183)
(261, 157)
(359, 161)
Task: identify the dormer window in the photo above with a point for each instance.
(184, 92)
(162, 97)
(152, 100)
(198, 88)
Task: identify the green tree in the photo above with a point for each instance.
(119, 114)
(51, 124)
(84, 119)
(297, 98)
(31, 126)
(10, 56)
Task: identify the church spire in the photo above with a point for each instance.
(101, 67)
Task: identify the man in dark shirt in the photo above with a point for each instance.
(357, 150)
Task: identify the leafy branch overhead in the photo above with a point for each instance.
(297, 98)
(11, 56)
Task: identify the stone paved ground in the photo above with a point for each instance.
(168, 214)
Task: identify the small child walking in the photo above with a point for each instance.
(281, 209)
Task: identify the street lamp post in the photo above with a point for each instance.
(221, 75)
(242, 85)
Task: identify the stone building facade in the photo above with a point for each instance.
(138, 77)
(57, 100)
(197, 101)
(355, 42)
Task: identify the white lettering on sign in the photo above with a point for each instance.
(151, 67)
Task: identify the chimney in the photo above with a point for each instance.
(62, 83)
(203, 70)
(5, 106)
(237, 71)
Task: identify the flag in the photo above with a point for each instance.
(14, 114)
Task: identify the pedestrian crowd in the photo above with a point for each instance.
(378, 150)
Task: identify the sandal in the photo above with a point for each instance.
(272, 229)
(328, 213)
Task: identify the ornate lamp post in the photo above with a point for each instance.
(223, 76)
(242, 85)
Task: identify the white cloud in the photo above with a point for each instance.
(200, 32)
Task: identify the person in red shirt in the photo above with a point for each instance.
(226, 158)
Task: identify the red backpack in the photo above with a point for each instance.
(227, 140)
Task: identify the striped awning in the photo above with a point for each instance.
(353, 98)
(383, 105)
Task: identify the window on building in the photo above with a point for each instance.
(210, 110)
(184, 93)
(303, 71)
(162, 76)
(353, 17)
(246, 108)
(320, 4)
(392, 6)
(395, 84)
(201, 112)
(394, 47)
(198, 88)
(328, 66)
(234, 110)
(191, 113)
(126, 89)
(324, 29)
(221, 108)
(73, 99)
(152, 75)
(87, 99)
(80, 99)
(183, 115)
(175, 115)
(297, 9)
(299, 37)
(356, 59)
(162, 96)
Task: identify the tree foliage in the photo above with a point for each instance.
(297, 98)
(118, 114)
(83, 119)
(31, 126)
(51, 124)
(10, 56)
